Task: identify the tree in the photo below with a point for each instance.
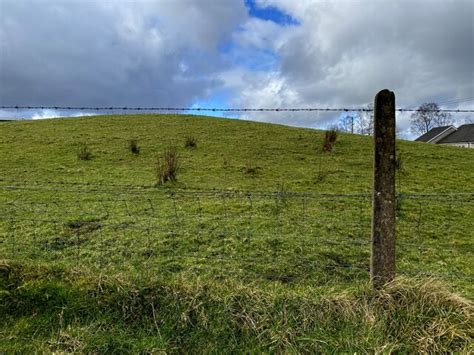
(427, 117)
(361, 122)
(347, 123)
(365, 121)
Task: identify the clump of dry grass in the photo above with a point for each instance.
(330, 138)
(190, 142)
(167, 166)
(251, 168)
(84, 153)
(133, 146)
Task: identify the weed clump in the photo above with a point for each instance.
(134, 147)
(167, 166)
(251, 168)
(226, 163)
(330, 138)
(84, 153)
(190, 142)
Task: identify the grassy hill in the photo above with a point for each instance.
(262, 244)
(37, 151)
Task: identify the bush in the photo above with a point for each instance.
(167, 166)
(133, 146)
(330, 138)
(84, 153)
(191, 142)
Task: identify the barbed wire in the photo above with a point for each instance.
(18, 248)
(270, 229)
(90, 188)
(221, 109)
(94, 187)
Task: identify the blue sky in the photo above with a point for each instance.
(236, 53)
(270, 13)
(250, 58)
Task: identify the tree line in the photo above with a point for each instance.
(426, 117)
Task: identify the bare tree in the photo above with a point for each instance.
(357, 122)
(365, 121)
(347, 123)
(427, 117)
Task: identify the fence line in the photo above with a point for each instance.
(220, 109)
(284, 231)
(111, 188)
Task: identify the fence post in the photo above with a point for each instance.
(382, 265)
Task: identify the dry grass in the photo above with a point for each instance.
(407, 316)
(251, 168)
(330, 138)
(167, 166)
(190, 142)
(134, 147)
(84, 153)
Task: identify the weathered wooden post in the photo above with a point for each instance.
(382, 265)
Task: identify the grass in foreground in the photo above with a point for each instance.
(49, 310)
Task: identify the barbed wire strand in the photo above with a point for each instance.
(129, 189)
(220, 109)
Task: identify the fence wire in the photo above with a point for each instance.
(222, 109)
(282, 235)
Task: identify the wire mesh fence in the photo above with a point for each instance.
(281, 235)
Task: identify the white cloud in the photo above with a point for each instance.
(166, 52)
(46, 114)
(112, 53)
(344, 52)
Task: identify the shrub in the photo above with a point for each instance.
(133, 146)
(330, 138)
(191, 142)
(84, 153)
(167, 166)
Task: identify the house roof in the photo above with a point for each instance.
(432, 133)
(465, 133)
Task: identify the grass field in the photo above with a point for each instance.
(261, 245)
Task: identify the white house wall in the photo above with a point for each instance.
(463, 145)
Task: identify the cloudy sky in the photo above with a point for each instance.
(236, 53)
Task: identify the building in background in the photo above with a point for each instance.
(450, 135)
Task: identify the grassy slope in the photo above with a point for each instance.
(46, 150)
(201, 306)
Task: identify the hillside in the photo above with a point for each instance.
(261, 245)
(37, 151)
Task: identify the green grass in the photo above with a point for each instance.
(227, 258)
(46, 150)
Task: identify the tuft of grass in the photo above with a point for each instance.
(167, 166)
(84, 153)
(330, 138)
(226, 163)
(251, 168)
(190, 142)
(134, 147)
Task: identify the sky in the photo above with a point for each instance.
(236, 53)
